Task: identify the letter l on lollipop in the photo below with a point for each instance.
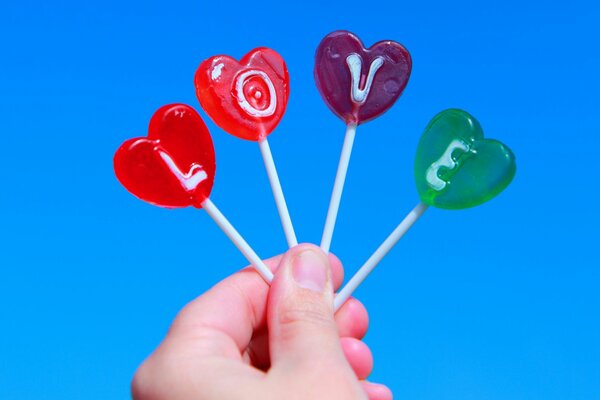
(174, 166)
(358, 85)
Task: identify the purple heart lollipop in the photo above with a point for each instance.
(360, 84)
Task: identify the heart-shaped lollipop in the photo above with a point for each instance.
(247, 98)
(455, 167)
(174, 166)
(359, 84)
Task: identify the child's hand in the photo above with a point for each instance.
(241, 340)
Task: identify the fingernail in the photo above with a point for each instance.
(309, 271)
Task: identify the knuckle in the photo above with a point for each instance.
(306, 311)
(153, 376)
(142, 384)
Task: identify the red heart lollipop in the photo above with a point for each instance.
(247, 98)
(175, 165)
(360, 84)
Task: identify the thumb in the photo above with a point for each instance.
(300, 311)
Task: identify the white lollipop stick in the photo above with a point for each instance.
(338, 187)
(378, 255)
(238, 240)
(284, 213)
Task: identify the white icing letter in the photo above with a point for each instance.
(445, 160)
(354, 62)
(189, 180)
(243, 102)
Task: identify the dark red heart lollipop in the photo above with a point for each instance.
(174, 166)
(246, 98)
(360, 84)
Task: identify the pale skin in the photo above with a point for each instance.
(245, 340)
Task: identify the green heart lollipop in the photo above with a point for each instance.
(455, 167)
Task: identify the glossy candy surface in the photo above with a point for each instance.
(360, 84)
(455, 167)
(247, 98)
(174, 166)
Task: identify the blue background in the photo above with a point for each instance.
(495, 302)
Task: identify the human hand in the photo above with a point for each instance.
(244, 340)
